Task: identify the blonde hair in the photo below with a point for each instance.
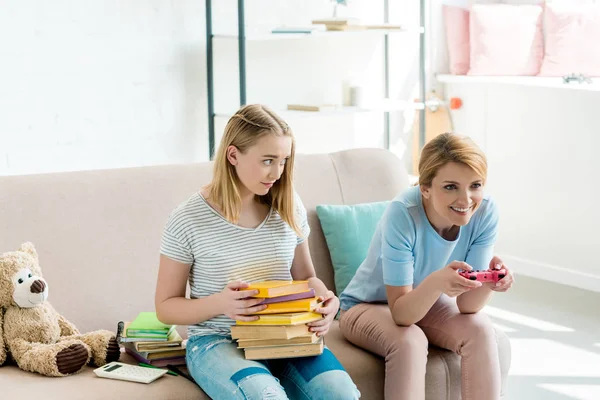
(243, 130)
(449, 147)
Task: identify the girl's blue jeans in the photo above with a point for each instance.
(220, 369)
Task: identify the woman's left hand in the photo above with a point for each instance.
(505, 283)
(331, 305)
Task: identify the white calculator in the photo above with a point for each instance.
(126, 372)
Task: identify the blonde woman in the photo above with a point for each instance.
(426, 235)
(247, 225)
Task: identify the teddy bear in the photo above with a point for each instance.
(33, 333)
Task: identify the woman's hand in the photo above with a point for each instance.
(331, 305)
(505, 283)
(451, 283)
(236, 304)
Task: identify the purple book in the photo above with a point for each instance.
(288, 297)
(160, 362)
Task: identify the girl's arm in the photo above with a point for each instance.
(303, 269)
(172, 307)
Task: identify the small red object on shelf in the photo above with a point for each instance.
(455, 103)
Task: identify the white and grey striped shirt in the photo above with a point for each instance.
(220, 252)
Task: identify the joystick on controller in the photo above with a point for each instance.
(488, 275)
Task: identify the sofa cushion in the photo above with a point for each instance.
(348, 231)
(86, 385)
(367, 370)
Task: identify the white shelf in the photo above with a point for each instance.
(382, 107)
(286, 36)
(529, 81)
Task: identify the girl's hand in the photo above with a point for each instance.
(331, 305)
(236, 304)
(451, 283)
(505, 283)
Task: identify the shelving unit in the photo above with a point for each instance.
(528, 81)
(386, 105)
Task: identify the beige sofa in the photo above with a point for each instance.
(98, 233)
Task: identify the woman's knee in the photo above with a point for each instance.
(479, 327)
(409, 340)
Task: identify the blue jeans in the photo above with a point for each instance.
(220, 369)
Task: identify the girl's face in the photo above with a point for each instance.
(262, 164)
(454, 195)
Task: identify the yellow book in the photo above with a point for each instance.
(291, 306)
(173, 342)
(284, 319)
(268, 289)
(291, 351)
(304, 339)
(268, 331)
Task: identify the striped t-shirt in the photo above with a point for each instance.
(220, 252)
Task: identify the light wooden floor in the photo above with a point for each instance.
(555, 338)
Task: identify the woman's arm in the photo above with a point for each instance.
(410, 305)
(172, 307)
(473, 301)
(479, 254)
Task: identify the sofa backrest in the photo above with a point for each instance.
(98, 233)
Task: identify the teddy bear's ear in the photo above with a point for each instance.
(28, 247)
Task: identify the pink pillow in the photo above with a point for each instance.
(506, 39)
(456, 21)
(572, 40)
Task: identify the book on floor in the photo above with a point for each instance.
(289, 351)
(267, 289)
(268, 331)
(293, 306)
(284, 319)
(303, 339)
(310, 293)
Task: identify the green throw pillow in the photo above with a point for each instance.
(348, 231)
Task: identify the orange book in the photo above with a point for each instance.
(268, 289)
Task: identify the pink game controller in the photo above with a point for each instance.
(488, 275)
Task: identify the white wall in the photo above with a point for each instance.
(100, 84)
(542, 145)
(103, 83)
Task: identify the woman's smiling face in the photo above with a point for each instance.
(454, 195)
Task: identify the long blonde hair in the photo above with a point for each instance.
(449, 147)
(243, 130)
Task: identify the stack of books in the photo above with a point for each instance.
(150, 341)
(281, 330)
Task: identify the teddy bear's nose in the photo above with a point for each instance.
(38, 286)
